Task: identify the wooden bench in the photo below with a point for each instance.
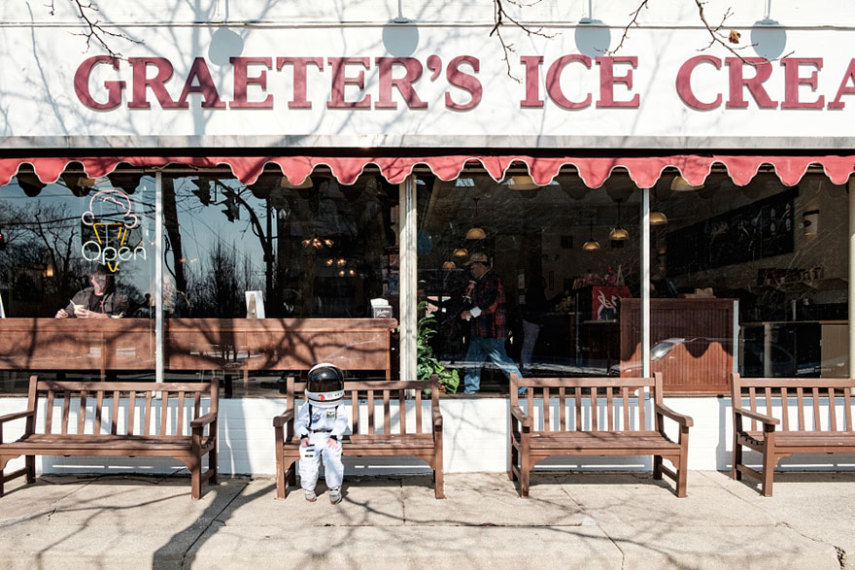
(374, 434)
(594, 416)
(807, 416)
(102, 419)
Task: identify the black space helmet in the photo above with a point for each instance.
(325, 385)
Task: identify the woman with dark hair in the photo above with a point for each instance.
(96, 302)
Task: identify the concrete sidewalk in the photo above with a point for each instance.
(591, 520)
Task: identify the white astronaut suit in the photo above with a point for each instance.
(320, 423)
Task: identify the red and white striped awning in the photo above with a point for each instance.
(644, 170)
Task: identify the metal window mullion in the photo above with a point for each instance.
(645, 282)
(159, 348)
(408, 279)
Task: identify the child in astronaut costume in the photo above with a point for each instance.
(320, 424)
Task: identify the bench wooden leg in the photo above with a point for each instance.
(281, 479)
(195, 466)
(736, 460)
(657, 467)
(768, 471)
(438, 484)
(515, 458)
(212, 466)
(31, 468)
(525, 475)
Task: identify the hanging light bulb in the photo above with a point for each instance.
(618, 232)
(591, 244)
(449, 265)
(460, 252)
(658, 218)
(680, 184)
(476, 232)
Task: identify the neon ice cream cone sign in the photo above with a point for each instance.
(111, 245)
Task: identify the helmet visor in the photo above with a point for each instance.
(325, 384)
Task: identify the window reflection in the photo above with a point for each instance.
(79, 248)
(318, 250)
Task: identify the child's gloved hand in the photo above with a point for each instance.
(332, 443)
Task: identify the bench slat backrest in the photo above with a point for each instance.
(815, 399)
(377, 397)
(612, 404)
(99, 407)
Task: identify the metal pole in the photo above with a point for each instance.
(158, 277)
(408, 278)
(851, 292)
(645, 282)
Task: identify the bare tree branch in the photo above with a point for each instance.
(87, 12)
(499, 17)
(632, 22)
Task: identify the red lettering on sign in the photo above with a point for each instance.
(199, 72)
(404, 85)
(553, 82)
(532, 81)
(464, 81)
(299, 100)
(847, 87)
(608, 79)
(792, 80)
(738, 83)
(243, 81)
(684, 83)
(340, 81)
(81, 84)
(141, 82)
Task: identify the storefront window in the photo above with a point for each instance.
(566, 255)
(774, 256)
(58, 240)
(271, 250)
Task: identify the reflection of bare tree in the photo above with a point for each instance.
(218, 289)
(170, 223)
(39, 262)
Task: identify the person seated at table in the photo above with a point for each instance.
(99, 301)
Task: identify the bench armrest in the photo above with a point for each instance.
(769, 420)
(681, 419)
(203, 420)
(283, 418)
(524, 419)
(16, 416)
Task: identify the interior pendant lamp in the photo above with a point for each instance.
(591, 244)
(658, 218)
(476, 232)
(680, 184)
(618, 232)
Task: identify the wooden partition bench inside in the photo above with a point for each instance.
(381, 432)
(130, 419)
(223, 345)
(807, 415)
(594, 416)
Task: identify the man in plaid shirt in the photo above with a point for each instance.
(488, 319)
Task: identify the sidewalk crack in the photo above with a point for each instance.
(588, 517)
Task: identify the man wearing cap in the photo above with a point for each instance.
(488, 323)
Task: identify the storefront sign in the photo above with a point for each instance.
(143, 81)
(109, 243)
(342, 87)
